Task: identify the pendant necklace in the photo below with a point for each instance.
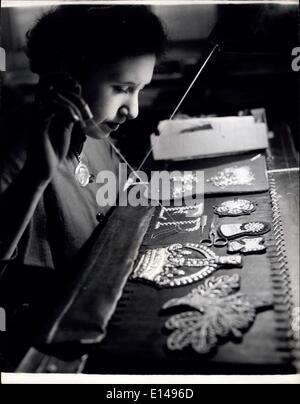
(82, 173)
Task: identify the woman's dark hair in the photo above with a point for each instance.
(76, 38)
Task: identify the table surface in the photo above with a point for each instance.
(285, 164)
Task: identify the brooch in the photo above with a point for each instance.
(247, 245)
(235, 230)
(235, 207)
(233, 176)
(217, 311)
(163, 267)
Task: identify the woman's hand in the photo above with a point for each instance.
(58, 109)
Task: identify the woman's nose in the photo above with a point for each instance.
(131, 109)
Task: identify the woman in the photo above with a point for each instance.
(100, 57)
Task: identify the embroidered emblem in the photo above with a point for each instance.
(178, 225)
(233, 176)
(188, 211)
(218, 311)
(253, 227)
(235, 230)
(247, 245)
(195, 224)
(235, 207)
(170, 266)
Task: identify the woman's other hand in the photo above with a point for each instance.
(58, 104)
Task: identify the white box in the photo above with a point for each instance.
(208, 137)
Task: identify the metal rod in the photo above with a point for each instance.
(193, 82)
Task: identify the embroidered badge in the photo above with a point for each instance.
(233, 176)
(184, 225)
(235, 207)
(247, 245)
(179, 226)
(175, 266)
(187, 211)
(218, 311)
(235, 230)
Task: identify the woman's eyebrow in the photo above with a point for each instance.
(127, 83)
(131, 84)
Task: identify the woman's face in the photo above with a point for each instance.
(112, 92)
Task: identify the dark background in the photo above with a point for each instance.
(252, 70)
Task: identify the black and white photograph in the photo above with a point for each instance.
(149, 194)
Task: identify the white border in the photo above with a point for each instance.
(46, 378)
(36, 3)
(28, 378)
